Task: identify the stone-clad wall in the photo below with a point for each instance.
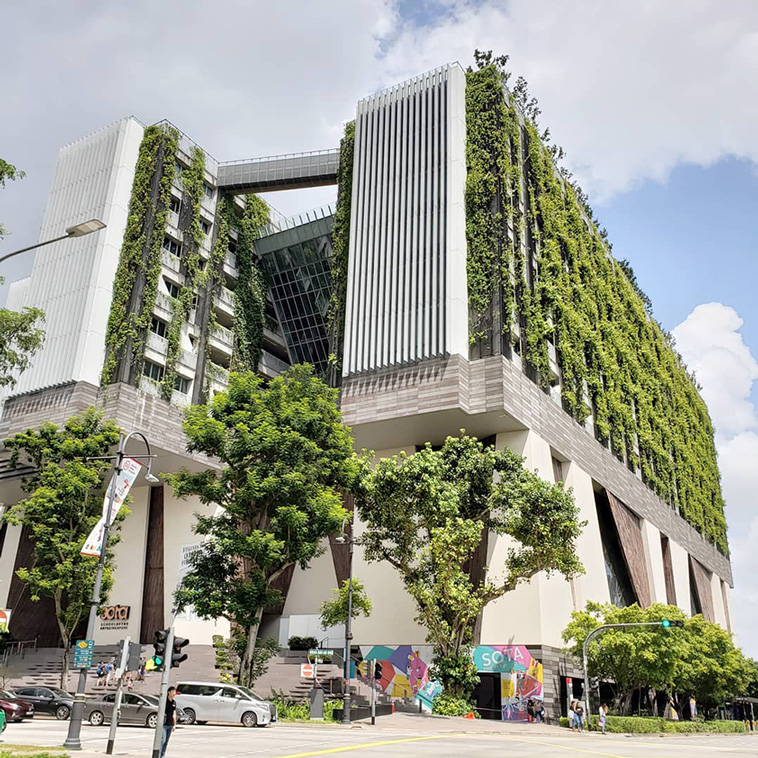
(493, 384)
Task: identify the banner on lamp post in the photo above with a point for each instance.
(130, 468)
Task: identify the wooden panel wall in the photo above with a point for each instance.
(702, 586)
(668, 571)
(630, 537)
(153, 590)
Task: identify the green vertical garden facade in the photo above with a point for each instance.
(540, 275)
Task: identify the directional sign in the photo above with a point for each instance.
(83, 651)
(321, 651)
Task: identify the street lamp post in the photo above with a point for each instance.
(348, 623)
(73, 741)
(78, 230)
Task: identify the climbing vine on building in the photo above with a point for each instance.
(535, 247)
(250, 293)
(340, 251)
(190, 261)
(136, 284)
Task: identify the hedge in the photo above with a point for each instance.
(643, 725)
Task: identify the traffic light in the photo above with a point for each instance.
(667, 623)
(159, 645)
(377, 670)
(177, 656)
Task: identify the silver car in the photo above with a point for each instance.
(135, 709)
(206, 701)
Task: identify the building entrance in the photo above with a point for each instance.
(487, 697)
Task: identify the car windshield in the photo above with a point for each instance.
(7, 695)
(250, 693)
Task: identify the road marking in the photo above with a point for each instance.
(363, 745)
(530, 741)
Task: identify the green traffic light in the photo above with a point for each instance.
(665, 623)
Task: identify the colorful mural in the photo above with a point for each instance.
(405, 673)
(405, 669)
(521, 676)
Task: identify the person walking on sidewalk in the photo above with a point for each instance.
(169, 722)
(603, 717)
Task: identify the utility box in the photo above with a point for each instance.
(316, 697)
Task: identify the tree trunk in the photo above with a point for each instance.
(246, 667)
(65, 662)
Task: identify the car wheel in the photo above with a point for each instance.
(96, 718)
(62, 712)
(189, 716)
(152, 720)
(249, 719)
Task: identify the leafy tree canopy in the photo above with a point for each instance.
(335, 611)
(64, 502)
(426, 515)
(285, 457)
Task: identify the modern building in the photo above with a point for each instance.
(461, 282)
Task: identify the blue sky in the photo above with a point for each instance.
(654, 103)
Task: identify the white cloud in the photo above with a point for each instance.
(710, 343)
(629, 89)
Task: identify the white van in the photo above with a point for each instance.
(209, 701)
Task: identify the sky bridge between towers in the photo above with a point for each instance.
(280, 172)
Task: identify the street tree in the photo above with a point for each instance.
(64, 499)
(286, 458)
(20, 333)
(710, 669)
(426, 515)
(628, 658)
(335, 610)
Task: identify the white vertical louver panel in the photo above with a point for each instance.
(406, 298)
(72, 280)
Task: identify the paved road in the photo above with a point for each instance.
(396, 739)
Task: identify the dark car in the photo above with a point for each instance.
(15, 708)
(135, 709)
(51, 700)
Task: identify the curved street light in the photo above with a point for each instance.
(78, 230)
(73, 738)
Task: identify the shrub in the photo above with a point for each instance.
(449, 705)
(302, 643)
(642, 725)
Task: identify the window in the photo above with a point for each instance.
(153, 371)
(205, 226)
(174, 204)
(171, 246)
(229, 692)
(181, 385)
(178, 168)
(557, 470)
(173, 289)
(208, 191)
(158, 327)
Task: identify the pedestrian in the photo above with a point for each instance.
(169, 721)
(603, 716)
(572, 716)
(129, 680)
(141, 675)
(100, 673)
(530, 710)
(693, 709)
(539, 711)
(579, 717)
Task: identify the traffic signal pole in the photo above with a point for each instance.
(663, 624)
(158, 736)
(119, 692)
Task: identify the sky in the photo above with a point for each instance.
(654, 103)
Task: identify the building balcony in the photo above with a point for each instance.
(156, 343)
(149, 385)
(164, 306)
(170, 261)
(230, 265)
(224, 300)
(270, 366)
(223, 338)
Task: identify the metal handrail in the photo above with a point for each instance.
(282, 156)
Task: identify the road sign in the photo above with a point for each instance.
(307, 670)
(83, 652)
(321, 651)
(5, 619)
